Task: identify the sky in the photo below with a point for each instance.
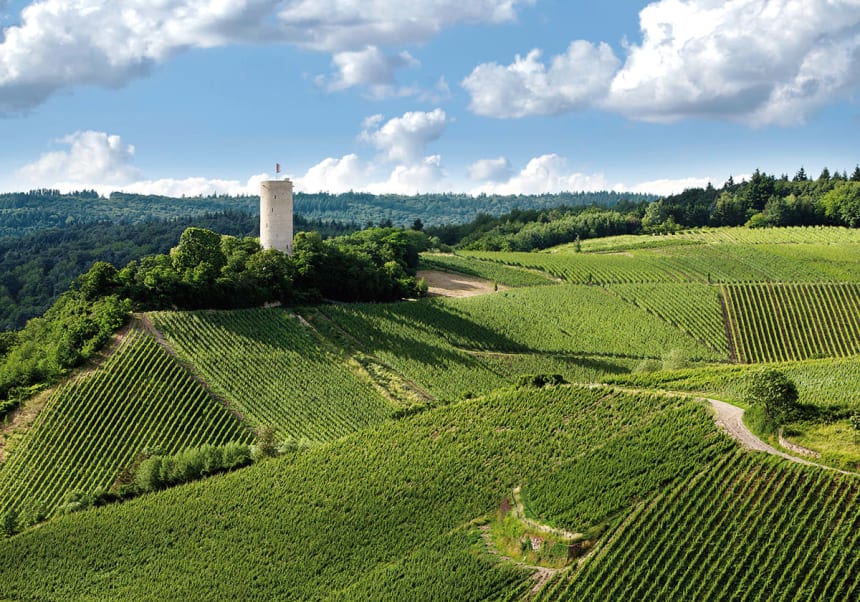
(191, 97)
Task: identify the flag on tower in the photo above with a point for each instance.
(277, 168)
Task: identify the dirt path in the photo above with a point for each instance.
(730, 418)
(449, 284)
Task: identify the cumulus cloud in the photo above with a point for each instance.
(545, 175)
(490, 170)
(335, 175)
(368, 67)
(103, 162)
(426, 176)
(756, 61)
(91, 157)
(404, 138)
(574, 80)
(58, 44)
(189, 187)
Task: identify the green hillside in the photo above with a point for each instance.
(94, 425)
(275, 372)
(440, 466)
(394, 499)
(389, 512)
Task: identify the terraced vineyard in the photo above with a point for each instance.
(793, 321)
(794, 235)
(718, 538)
(421, 438)
(692, 308)
(432, 344)
(819, 382)
(573, 319)
(95, 425)
(275, 371)
(382, 514)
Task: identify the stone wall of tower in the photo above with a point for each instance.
(276, 215)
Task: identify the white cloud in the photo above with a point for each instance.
(342, 24)
(665, 187)
(92, 157)
(335, 175)
(368, 66)
(103, 162)
(545, 175)
(426, 176)
(490, 170)
(755, 60)
(574, 80)
(58, 44)
(190, 187)
(403, 139)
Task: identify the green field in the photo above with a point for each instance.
(488, 270)
(727, 255)
(275, 372)
(94, 425)
(793, 321)
(423, 427)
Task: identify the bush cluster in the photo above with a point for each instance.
(160, 471)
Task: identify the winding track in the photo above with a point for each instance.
(730, 418)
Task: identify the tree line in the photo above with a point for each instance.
(763, 201)
(205, 270)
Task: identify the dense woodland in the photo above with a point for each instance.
(38, 267)
(36, 210)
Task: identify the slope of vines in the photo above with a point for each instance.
(703, 263)
(571, 319)
(750, 528)
(275, 371)
(794, 321)
(692, 308)
(95, 425)
(449, 353)
(381, 514)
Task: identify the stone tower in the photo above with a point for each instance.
(276, 215)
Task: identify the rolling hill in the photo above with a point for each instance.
(426, 422)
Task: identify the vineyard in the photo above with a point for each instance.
(694, 309)
(95, 425)
(275, 372)
(799, 235)
(793, 321)
(702, 263)
(717, 537)
(406, 427)
(339, 519)
(420, 341)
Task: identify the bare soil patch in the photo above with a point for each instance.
(447, 284)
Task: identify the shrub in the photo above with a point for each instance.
(539, 380)
(9, 523)
(771, 393)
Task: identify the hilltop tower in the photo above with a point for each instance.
(276, 215)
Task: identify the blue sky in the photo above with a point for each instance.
(200, 96)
